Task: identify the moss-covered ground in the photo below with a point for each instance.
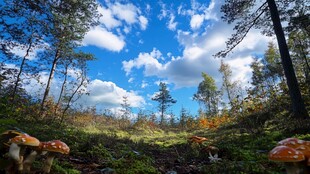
(100, 148)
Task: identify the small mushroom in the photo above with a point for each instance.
(18, 144)
(213, 153)
(32, 156)
(196, 139)
(29, 160)
(292, 158)
(212, 150)
(52, 148)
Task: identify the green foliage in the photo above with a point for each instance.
(207, 94)
(164, 100)
(6, 123)
(98, 153)
(133, 163)
(59, 168)
(229, 86)
(303, 137)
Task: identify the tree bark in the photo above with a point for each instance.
(71, 98)
(162, 109)
(21, 68)
(62, 90)
(298, 106)
(48, 85)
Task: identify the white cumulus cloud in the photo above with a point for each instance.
(198, 50)
(102, 94)
(107, 18)
(147, 60)
(116, 22)
(196, 21)
(143, 22)
(102, 38)
(172, 25)
(108, 94)
(126, 12)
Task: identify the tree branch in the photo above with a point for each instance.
(241, 30)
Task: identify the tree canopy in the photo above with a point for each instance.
(207, 94)
(262, 15)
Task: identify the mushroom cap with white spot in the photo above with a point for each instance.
(55, 146)
(285, 154)
(25, 140)
(304, 149)
(291, 142)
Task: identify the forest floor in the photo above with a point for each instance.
(100, 148)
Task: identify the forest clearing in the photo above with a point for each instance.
(98, 145)
(121, 87)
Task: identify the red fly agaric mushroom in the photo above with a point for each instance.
(5, 145)
(5, 138)
(291, 142)
(18, 144)
(304, 149)
(8, 134)
(42, 149)
(52, 148)
(292, 158)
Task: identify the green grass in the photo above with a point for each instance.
(242, 149)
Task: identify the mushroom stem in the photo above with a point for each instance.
(295, 168)
(14, 153)
(48, 163)
(29, 160)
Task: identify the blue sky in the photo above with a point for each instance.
(140, 43)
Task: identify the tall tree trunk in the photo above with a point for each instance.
(298, 106)
(71, 98)
(21, 69)
(162, 114)
(228, 93)
(48, 85)
(63, 86)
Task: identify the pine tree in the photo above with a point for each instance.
(266, 17)
(164, 99)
